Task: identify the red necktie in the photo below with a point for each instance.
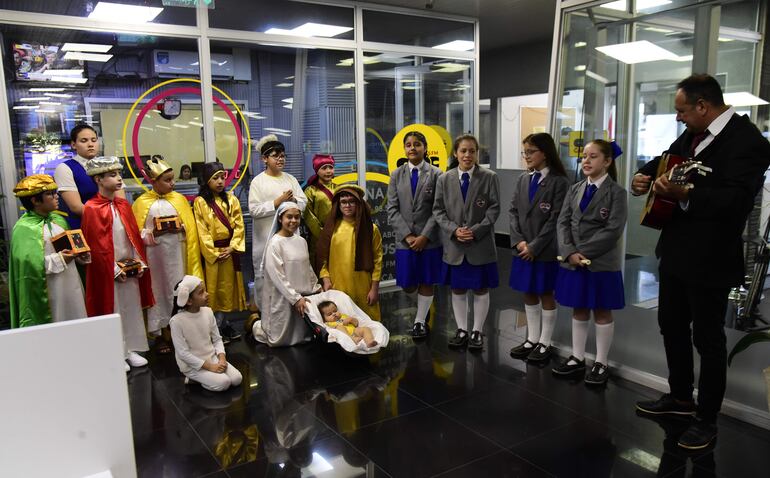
(696, 140)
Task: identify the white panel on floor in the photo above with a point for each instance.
(64, 401)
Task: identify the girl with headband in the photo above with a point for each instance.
(319, 192)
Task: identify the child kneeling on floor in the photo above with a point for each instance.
(334, 319)
(198, 346)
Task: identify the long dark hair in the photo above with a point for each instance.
(422, 139)
(606, 149)
(208, 195)
(544, 142)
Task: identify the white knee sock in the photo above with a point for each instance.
(533, 322)
(423, 307)
(480, 310)
(604, 334)
(549, 322)
(460, 308)
(579, 337)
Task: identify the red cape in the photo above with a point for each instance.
(97, 229)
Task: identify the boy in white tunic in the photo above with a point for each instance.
(171, 253)
(198, 346)
(267, 191)
(44, 285)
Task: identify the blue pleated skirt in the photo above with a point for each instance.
(584, 289)
(538, 277)
(415, 268)
(468, 276)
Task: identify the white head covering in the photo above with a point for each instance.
(185, 288)
(276, 226)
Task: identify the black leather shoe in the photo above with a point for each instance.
(523, 350)
(476, 341)
(460, 340)
(419, 330)
(570, 366)
(598, 375)
(700, 435)
(540, 353)
(666, 405)
(229, 331)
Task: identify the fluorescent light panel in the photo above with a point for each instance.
(637, 52)
(68, 79)
(456, 45)
(76, 55)
(73, 72)
(58, 95)
(35, 98)
(743, 98)
(88, 47)
(311, 30)
(622, 5)
(118, 12)
(46, 89)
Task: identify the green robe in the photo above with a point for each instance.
(28, 284)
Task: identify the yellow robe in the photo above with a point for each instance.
(318, 208)
(342, 263)
(223, 283)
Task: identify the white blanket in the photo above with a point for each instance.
(346, 305)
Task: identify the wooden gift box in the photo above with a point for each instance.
(130, 267)
(168, 224)
(72, 240)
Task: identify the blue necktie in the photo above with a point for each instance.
(534, 183)
(464, 184)
(587, 195)
(415, 177)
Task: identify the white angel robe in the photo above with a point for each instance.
(262, 192)
(288, 277)
(128, 300)
(167, 258)
(66, 297)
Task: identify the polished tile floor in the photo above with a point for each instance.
(414, 410)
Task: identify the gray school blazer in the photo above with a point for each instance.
(413, 216)
(535, 222)
(479, 213)
(595, 232)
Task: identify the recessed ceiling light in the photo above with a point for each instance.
(73, 72)
(287, 106)
(119, 12)
(47, 89)
(90, 47)
(743, 98)
(50, 103)
(45, 111)
(457, 45)
(311, 30)
(25, 107)
(580, 44)
(580, 68)
(288, 100)
(284, 85)
(35, 98)
(637, 52)
(622, 5)
(68, 79)
(76, 55)
(59, 95)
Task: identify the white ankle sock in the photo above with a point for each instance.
(460, 309)
(423, 307)
(533, 322)
(579, 337)
(549, 322)
(604, 334)
(480, 310)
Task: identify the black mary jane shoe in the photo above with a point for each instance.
(419, 330)
(522, 351)
(476, 341)
(460, 340)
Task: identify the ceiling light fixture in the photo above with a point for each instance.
(118, 12)
(743, 98)
(637, 52)
(76, 55)
(47, 89)
(456, 45)
(311, 30)
(89, 47)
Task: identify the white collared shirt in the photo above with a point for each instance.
(64, 177)
(543, 173)
(715, 128)
(470, 173)
(412, 167)
(598, 182)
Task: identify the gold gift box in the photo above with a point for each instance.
(71, 240)
(168, 224)
(130, 267)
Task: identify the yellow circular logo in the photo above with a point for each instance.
(437, 150)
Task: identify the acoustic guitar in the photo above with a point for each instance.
(658, 210)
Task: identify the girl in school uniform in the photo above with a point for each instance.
(537, 200)
(411, 193)
(466, 207)
(590, 224)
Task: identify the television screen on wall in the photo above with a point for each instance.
(46, 63)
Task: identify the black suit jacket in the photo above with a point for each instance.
(703, 245)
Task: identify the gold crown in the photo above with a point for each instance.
(35, 184)
(156, 167)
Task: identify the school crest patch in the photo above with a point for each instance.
(480, 202)
(545, 206)
(604, 213)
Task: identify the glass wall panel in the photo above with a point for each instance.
(174, 12)
(280, 16)
(418, 31)
(402, 90)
